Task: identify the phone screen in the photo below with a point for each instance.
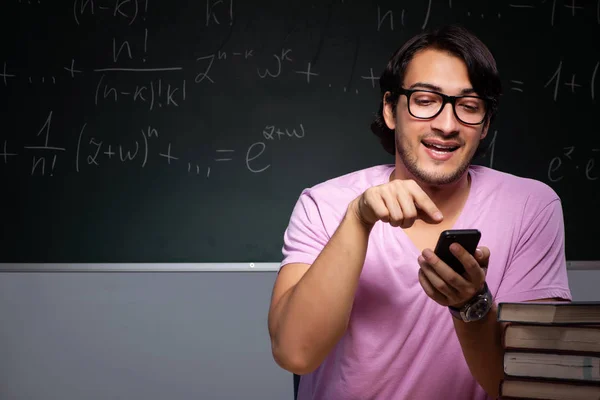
(467, 238)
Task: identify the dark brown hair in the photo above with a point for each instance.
(456, 40)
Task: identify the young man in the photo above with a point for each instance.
(362, 308)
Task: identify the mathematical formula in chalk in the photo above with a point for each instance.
(92, 152)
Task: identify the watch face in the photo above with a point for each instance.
(478, 309)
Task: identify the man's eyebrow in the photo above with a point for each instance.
(423, 85)
(429, 86)
(468, 91)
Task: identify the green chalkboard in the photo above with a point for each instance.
(184, 131)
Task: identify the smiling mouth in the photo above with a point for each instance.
(440, 148)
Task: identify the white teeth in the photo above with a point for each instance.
(440, 148)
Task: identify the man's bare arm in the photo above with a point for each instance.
(310, 307)
(481, 343)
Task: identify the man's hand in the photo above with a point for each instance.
(399, 203)
(445, 286)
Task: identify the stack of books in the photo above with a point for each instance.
(552, 350)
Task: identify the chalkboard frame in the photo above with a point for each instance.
(187, 267)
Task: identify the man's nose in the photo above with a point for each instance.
(446, 121)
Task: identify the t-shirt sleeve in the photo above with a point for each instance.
(538, 268)
(305, 236)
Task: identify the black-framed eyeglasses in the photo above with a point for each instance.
(427, 104)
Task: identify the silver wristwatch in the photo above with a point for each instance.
(476, 308)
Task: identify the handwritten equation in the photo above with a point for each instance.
(133, 74)
(153, 93)
(92, 151)
(581, 162)
(131, 53)
(221, 12)
(571, 82)
(551, 9)
(395, 18)
(559, 82)
(217, 11)
(128, 10)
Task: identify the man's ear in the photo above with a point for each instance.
(388, 112)
(484, 131)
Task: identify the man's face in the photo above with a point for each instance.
(438, 150)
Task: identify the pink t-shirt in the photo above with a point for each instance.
(400, 344)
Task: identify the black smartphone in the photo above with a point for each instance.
(467, 238)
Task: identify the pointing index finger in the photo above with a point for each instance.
(424, 203)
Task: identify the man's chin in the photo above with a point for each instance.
(438, 177)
